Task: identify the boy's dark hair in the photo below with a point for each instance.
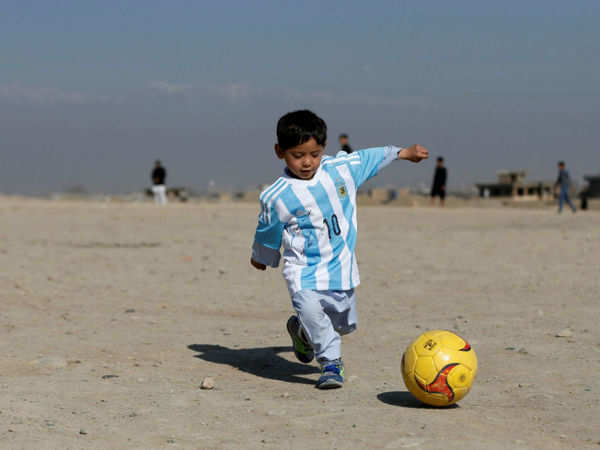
(561, 163)
(343, 136)
(440, 159)
(297, 127)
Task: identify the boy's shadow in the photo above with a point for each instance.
(262, 362)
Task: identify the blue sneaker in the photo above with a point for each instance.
(332, 375)
(302, 348)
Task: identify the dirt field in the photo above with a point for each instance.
(111, 315)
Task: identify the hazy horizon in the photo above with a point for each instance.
(91, 95)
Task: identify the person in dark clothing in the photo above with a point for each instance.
(344, 146)
(438, 188)
(584, 195)
(564, 183)
(159, 176)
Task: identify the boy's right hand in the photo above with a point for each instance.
(257, 265)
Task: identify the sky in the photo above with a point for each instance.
(92, 92)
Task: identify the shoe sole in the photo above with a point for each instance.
(300, 356)
(330, 384)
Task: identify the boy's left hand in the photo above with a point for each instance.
(257, 265)
(414, 153)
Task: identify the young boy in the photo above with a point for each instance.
(311, 211)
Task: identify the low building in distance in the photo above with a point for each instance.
(513, 184)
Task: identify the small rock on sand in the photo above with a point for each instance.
(207, 383)
(567, 332)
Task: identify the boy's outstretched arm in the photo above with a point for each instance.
(414, 153)
(366, 163)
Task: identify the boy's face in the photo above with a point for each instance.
(302, 160)
(343, 140)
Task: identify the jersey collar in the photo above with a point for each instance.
(290, 178)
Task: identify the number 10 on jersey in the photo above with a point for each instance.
(334, 226)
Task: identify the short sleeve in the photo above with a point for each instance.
(267, 239)
(370, 162)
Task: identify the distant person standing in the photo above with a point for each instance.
(159, 175)
(564, 183)
(583, 195)
(344, 146)
(438, 188)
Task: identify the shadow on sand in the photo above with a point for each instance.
(406, 400)
(262, 361)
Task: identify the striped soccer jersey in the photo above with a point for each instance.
(315, 221)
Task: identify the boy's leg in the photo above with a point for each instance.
(317, 325)
(336, 310)
(302, 346)
(324, 315)
(340, 306)
(341, 309)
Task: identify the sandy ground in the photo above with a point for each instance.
(112, 314)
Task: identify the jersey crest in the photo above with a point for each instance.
(341, 188)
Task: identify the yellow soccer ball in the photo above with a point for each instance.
(439, 367)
